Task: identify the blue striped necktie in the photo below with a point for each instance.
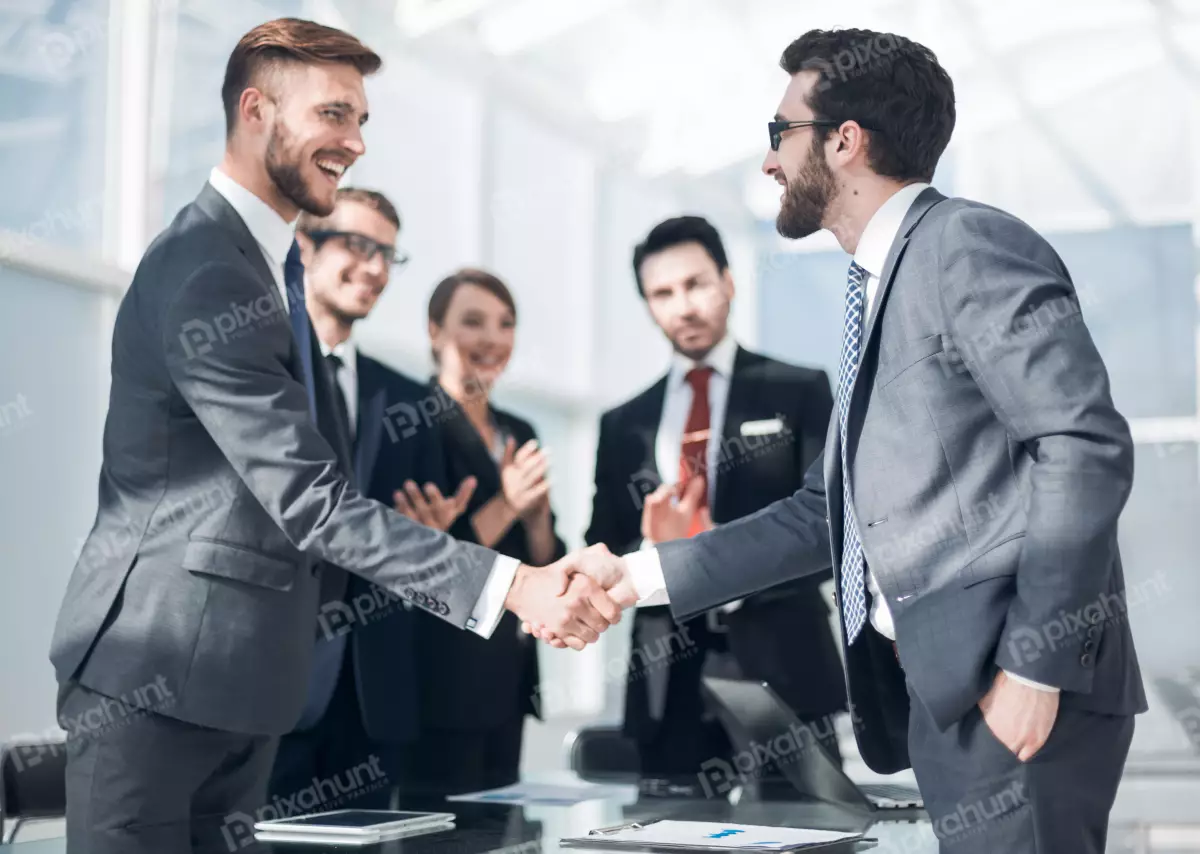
(853, 594)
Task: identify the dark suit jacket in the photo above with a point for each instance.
(384, 644)
(467, 682)
(220, 499)
(752, 471)
(989, 468)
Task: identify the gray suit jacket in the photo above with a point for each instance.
(989, 467)
(220, 501)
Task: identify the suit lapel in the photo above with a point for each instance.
(370, 430)
(926, 200)
(744, 389)
(217, 207)
(465, 443)
(833, 444)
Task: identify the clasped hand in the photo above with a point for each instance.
(572, 601)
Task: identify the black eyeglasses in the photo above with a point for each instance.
(776, 129)
(362, 246)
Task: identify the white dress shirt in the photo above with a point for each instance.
(873, 248)
(272, 232)
(274, 236)
(677, 404)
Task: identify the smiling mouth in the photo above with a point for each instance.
(332, 169)
(485, 362)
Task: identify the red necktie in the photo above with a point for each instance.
(693, 456)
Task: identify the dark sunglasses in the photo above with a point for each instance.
(361, 246)
(776, 129)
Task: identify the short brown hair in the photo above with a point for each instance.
(439, 301)
(372, 199)
(288, 40)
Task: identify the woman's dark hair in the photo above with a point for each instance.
(888, 84)
(439, 300)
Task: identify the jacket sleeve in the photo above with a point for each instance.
(785, 541)
(237, 385)
(1015, 322)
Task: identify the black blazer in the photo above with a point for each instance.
(390, 447)
(466, 681)
(753, 471)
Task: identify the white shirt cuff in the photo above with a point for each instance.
(645, 570)
(490, 606)
(1048, 688)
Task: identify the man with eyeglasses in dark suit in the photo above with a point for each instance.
(362, 707)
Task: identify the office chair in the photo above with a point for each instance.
(32, 782)
(601, 754)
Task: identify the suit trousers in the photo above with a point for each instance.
(334, 764)
(981, 798)
(139, 782)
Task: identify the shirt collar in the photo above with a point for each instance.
(346, 351)
(720, 358)
(880, 233)
(272, 232)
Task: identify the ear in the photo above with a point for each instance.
(308, 249)
(727, 283)
(435, 345)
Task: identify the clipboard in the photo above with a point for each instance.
(736, 838)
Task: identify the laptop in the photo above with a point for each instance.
(757, 719)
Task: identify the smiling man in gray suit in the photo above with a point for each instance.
(227, 510)
(973, 475)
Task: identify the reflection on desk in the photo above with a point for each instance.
(502, 829)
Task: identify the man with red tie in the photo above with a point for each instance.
(724, 433)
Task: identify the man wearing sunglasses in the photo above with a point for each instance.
(361, 704)
(973, 475)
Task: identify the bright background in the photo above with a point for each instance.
(541, 139)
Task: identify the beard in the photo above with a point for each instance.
(283, 168)
(807, 197)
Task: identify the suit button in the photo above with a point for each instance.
(1094, 633)
(1087, 659)
(1089, 645)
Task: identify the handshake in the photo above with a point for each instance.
(572, 601)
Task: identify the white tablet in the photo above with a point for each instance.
(349, 827)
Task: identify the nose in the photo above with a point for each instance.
(354, 142)
(376, 267)
(770, 163)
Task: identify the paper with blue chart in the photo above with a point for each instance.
(710, 835)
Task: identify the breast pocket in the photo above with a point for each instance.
(896, 361)
(239, 563)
